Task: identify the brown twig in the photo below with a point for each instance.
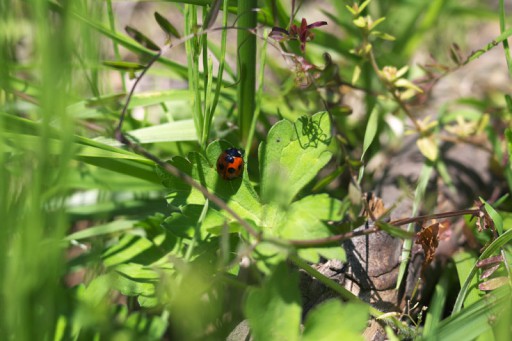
(420, 218)
(341, 237)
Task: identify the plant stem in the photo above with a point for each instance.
(246, 41)
(112, 24)
(405, 221)
(506, 47)
(391, 90)
(340, 237)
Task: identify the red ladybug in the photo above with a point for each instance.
(230, 164)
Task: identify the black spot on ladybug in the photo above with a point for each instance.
(239, 167)
(220, 165)
(231, 170)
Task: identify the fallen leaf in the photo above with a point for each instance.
(429, 240)
(373, 206)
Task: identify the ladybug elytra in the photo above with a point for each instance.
(230, 164)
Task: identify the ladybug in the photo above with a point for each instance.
(230, 164)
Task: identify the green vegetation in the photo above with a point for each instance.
(115, 221)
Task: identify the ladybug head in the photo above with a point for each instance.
(233, 152)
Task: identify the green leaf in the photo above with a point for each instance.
(508, 135)
(494, 247)
(166, 25)
(183, 130)
(376, 23)
(274, 310)
(383, 35)
(356, 74)
(464, 262)
(141, 38)
(292, 155)
(238, 194)
(134, 249)
(128, 43)
(113, 100)
(182, 223)
(132, 280)
(438, 301)
(97, 290)
(26, 134)
(143, 323)
(123, 66)
(95, 107)
(136, 280)
(351, 10)
(496, 218)
(508, 100)
(307, 219)
(333, 320)
(329, 178)
(371, 130)
(428, 147)
(476, 319)
(100, 230)
(111, 209)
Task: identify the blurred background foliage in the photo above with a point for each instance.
(89, 246)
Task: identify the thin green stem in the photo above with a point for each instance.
(246, 41)
(112, 24)
(192, 48)
(392, 91)
(208, 112)
(495, 42)
(212, 104)
(506, 47)
(259, 96)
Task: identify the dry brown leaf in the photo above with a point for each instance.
(373, 206)
(484, 221)
(428, 238)
(445, 231)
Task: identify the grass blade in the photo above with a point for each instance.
(495, 246)
(246, 42)
(423, 179)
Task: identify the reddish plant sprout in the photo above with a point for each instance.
(302, 68)
(279, 34)
(301, 33)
